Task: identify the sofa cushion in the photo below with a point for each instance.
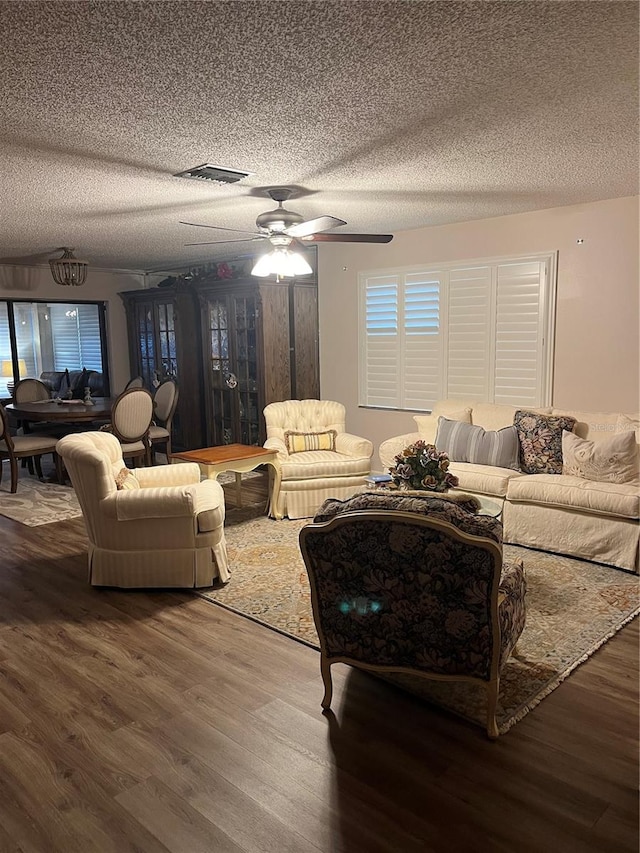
(484, 479)
(324, 463)
(540, 439)
(612, 461)
(468, 443)
(596, 426)
(498, 415)
(428, 424)
(570, 492)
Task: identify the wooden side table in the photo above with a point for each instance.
(239, 458)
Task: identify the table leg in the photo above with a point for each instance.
(238, 489)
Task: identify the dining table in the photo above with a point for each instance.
(62, 411)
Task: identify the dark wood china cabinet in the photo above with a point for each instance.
(233, 345)
(163, 333)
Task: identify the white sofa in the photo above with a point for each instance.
(553, 512)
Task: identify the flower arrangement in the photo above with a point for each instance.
(421, 466)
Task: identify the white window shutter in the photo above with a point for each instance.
(470, 326)
(519, 333)
(422, 342)
(380, 384)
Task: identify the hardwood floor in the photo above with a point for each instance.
(156, 721)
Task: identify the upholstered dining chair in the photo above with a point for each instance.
(413, 588)
(317, 458)
(147, 527)
(165, 401)
(30, 391)
(14, 447)
(135, 382)
(131, 416)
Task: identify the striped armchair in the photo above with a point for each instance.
(147, 527)
(317, 458)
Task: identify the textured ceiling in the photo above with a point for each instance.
(389, 115)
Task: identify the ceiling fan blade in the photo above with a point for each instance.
(219, 242)
(217, 227)
(313, 226)
(347, 238)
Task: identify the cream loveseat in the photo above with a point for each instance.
(317, 459)
(148, 527)
(561, 513)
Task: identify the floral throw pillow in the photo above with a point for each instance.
(540, 439)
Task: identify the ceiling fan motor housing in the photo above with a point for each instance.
(278, 219)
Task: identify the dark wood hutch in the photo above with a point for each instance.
(233, 345)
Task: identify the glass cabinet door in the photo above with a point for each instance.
(167, 363)
(233, 369)
(145, 334)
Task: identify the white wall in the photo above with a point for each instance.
(597, 319)
(36, 282)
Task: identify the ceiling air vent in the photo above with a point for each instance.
(213, 174)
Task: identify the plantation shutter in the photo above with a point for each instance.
(422, 348)
(470, 332)
(380, 384)
(75, 331)
(519, 334)
(477, 331)
(89, 335)
(64, 334)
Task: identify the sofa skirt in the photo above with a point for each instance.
(302, 498)
(598, 538)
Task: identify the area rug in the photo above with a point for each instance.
(36, 503)
(573, 607)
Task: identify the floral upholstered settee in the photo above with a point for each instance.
(413, 585)
(561, 512)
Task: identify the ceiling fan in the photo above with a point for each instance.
(283, 227)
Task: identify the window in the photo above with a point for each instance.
(481, 330)
(50, 336)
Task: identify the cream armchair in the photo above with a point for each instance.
(317, 459)
(147, 527)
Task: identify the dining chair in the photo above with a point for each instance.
(136, 382)
(14, 447)
(165, 401)
(131, 416)
(30, 391)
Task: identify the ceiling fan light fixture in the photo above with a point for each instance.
(281, 263)
(68, 270)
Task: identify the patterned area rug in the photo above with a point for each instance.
(37, 502)
(573, 607)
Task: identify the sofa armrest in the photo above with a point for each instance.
(278, 445)
(353, 445)
(171, 502)
(180, 474)
(390, 448)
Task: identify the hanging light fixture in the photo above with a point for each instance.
(281, 262)
(68, 270)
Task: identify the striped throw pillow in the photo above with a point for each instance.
(297, 442)
(469, 443)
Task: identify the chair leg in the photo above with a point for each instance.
(493, 688)
(38, 466)
(14, 474)
(58, 463)
(325, 669)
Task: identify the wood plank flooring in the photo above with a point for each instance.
(156, 721)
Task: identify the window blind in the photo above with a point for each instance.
(477, 331)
